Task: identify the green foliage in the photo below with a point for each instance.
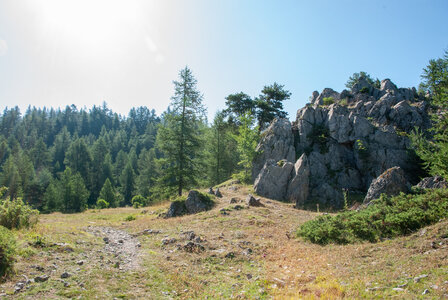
(239, 104)
(319, 136)
(270, 104)
(179, 136)
(247, 139)
(387, 217)
(434, 150)
(109, 194)
(101, 204)
(16, 214)
(361, 147)
(364, 90)
(73, 191)
(328, 101)
(221, 157)
(343, 102)
(130, 218)
(138, 201)
(355, 78)
(7, 252)
(127, 180)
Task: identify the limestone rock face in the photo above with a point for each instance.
(272, 182)
(277, 143)
(298, 188)
(391, 183)
(347, 143)
(435, 182)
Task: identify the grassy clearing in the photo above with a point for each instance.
(276, 266)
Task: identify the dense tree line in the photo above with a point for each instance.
(70, 159)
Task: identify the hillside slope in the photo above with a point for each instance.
(227, 252)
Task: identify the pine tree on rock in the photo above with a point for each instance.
(179, 137)
(269, 104)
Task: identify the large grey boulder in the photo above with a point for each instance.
(298, 188)
(197, 202)
(435, 182)
(277, 143)
(272, 182)
(177, 208)
(391, 183)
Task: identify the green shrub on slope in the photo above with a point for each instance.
(387, 217)
(7, 251)
(16, 214)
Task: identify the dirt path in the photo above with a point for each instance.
(123, 246)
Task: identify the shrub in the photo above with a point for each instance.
(364, 90)
(138, 201)
(101, 203)
(7, 252)
(328, 100)
(16, 214)
(361, 147)
(344, 102)
(387, 217)
(130, 218)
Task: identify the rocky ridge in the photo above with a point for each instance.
(339, 141)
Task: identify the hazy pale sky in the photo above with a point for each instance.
(55, 53)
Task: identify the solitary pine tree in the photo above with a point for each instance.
(178, 137)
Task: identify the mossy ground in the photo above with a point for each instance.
(279, 266)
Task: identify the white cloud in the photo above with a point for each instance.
(3, 47)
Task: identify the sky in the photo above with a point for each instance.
(127, 53)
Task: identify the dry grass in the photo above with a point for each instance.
(279, 265)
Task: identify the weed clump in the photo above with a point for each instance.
(387, 217)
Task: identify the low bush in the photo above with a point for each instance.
(101, 204)
(138, 201)
(7, 252)
(328, 100)
(387, 217)
(364, 90)
(130, 218)
(16, 214)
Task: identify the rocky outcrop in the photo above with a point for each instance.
(273, 179)
(435, 182)
(348, 138)
(298, 188)
(391, 183)
(277, 143)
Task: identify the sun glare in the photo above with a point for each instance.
(89, 24)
